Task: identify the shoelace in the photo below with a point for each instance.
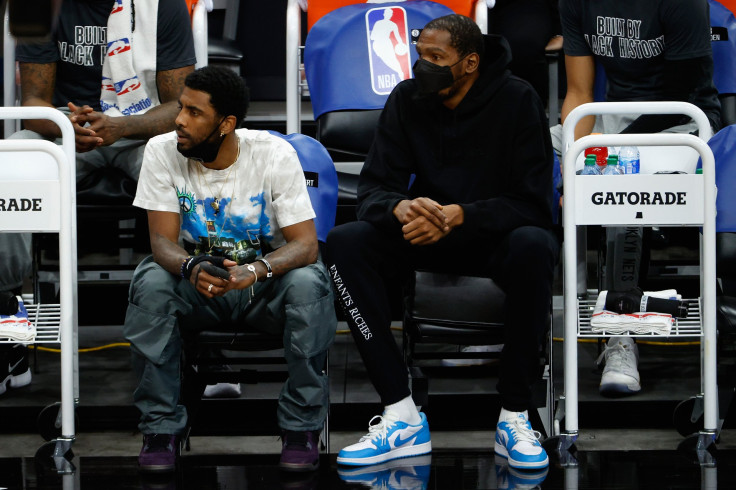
(614, 356)
(521, 431)
(379, 430)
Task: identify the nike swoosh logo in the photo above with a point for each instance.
(398, 441)
(11, 367)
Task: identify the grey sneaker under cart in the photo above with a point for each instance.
(620, 374)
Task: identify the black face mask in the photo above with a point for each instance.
(205, 151)
(431, 78)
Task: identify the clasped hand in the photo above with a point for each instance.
(211, 280)
(424, 220)
(102, 130)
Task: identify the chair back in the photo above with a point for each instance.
(346, 66)
(723, 41)
(723, 145)
(320, 8)
(348, 81)
(321, 179)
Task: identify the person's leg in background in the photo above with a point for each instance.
(364, 263)
(15, 268)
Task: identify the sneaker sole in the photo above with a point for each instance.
(21, 380)
(299, 468)
(469, 362)
(160, 468)
(618, 389)
(403, 452)
(538, 465)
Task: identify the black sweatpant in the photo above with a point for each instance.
(365, 261)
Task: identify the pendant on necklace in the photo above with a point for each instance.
(216, 205)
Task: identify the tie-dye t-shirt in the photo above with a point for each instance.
(261, 193)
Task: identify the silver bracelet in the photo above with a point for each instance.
(252, 268)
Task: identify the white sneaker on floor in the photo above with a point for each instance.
(620, 374)
(222, 390)
(474, 362)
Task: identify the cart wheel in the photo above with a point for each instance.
(44, 463)
(48, 422)
(682, 418)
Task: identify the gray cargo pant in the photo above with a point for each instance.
(161, 305)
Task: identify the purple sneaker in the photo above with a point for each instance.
(299, 450)
(158, 454)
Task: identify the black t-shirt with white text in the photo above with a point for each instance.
(633, 39)
(76, 46)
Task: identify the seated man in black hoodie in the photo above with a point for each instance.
(477, 141)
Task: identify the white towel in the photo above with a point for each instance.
(17, 327)
(129, 69)
(604, 321)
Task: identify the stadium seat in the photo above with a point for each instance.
(723, 41)
(349, 84)
(295, 80)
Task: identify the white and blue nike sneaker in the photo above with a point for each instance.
(388, 438)
(517, 442)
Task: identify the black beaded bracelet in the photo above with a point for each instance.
(185, 266)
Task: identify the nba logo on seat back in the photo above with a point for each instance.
(127, 85)
(388, 48)
(117, 7)
(118, 46)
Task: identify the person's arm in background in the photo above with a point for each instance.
(175, 59)
(158, 120)
(580, 72)
(579, 65)
(37, 84)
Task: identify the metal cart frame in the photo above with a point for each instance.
(54, 323)
(578, 211)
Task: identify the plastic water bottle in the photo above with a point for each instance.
(600, 152)
(628, 158)
(590, 168)
(612, 166)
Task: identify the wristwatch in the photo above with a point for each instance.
(269, 271)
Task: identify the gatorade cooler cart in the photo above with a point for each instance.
(695, 206)
(44, 174)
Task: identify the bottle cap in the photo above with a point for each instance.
(699, 170)
(612, 159)
(590, 160)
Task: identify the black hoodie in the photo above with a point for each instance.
(492, 154)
